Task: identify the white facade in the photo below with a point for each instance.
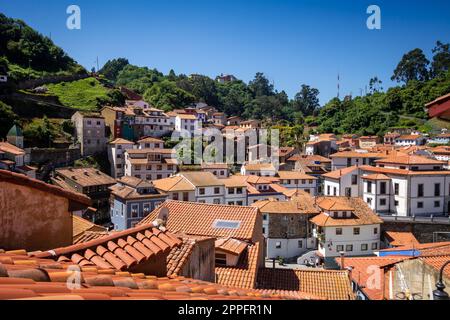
(116, 157)
(236, 196)
(187, 123)
(355, 240)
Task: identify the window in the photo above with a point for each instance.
(338, 231)
(230, 190)
(221, 259)
(278, 245)
(328, 190)
(185, 196)
(437, 204)
(349, 248)
(364, 247)
(201, 191)
(226, 224)
(369, 201)
(300, 244)
(375, 230)
(216, 201)
(356, 231)
(396, 189)
(334, 191)
(420, 205)
(354, 179)
(369, 186)
(382, 202)
(339, 248)
(265, 217)
(437, 189)
(134, 211)
(374, 246)
(349, 162)
(216, 190)
(382, 187)
(239, 190)
(239, 203)
(420, 190)
(175, 196)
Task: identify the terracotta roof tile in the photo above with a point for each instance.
(332, 285)
(232, 246)
(202, 218)
(86, 176)
(363, 269)
(80, 226)
(38, 282)
(337, 174)
(361, 213)
(302, 203)
(119, 250)
(397, 238)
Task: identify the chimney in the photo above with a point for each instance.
(342, 254)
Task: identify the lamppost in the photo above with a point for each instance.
(439, 293)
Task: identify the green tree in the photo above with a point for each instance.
(306, 100)
(112, 68)
(7, 118)
(167, 96)
(413, 66)
(260, 86)
(441, 59)
(375, 85)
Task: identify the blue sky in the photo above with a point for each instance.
(292, 42)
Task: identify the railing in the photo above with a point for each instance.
(419, 219)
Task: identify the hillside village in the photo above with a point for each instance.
(310, 219)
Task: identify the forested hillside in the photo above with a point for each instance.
(25, 53)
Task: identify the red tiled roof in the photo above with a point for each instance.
(397, 238)
(199, 219)
(401, 158)
(232, 246)
(10, 148)
(20, 179)
(119, 250)
(337, 174)
(245, 272)
(30, 278)
(365, 267)
(332, 285)
(437, 262)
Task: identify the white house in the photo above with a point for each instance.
(116, 156)
(346, 225)
(359, 157)
(298, 181)
(187, 122)
(410, 140)
(401, 184)
(258, 169)
(150, 164)
(342, 182)
(235, 191)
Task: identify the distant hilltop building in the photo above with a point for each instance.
(223, 78)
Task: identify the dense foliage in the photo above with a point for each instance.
(21, 47)
(7, 119)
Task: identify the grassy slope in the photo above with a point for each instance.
(81, 94)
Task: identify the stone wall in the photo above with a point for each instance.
(422, 231)
(56, 157)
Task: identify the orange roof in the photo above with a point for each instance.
(30, 278)
(10, 148)
(150, 140)
(409, 137)
(401, 158)
(403, 171)
(20, 179)
(187, 116)
(244, 274)
(437, 262)
(301, 204)
(337, 174)
(232, 246)
(118, 251)
(259, 166)
(328, 284)
(295, 175)
(213, 220)
(80, 226)
(435, 248)
(310, 158)
(363, 270)
(355, 154)
(376, 176)
(398, 238)
(85, 177)
(362, 214)
(173, 184)
(121, 141)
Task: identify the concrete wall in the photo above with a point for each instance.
(32, 219)
(58, 157)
